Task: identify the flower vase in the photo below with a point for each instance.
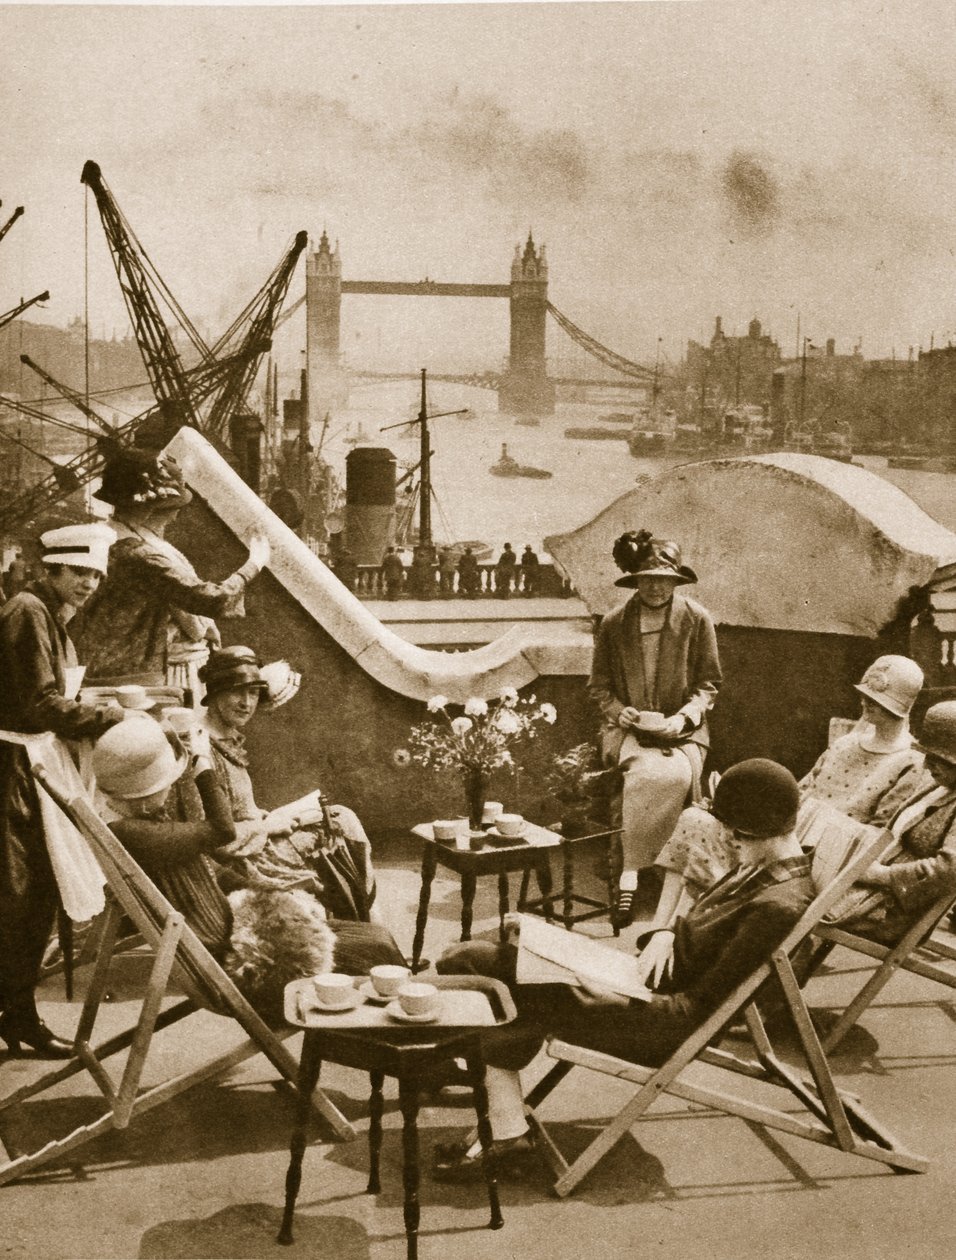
(476, 787)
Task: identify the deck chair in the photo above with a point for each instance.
(922, 951)
(834, 1117)
(175, 949)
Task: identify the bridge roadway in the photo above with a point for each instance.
(425, 288)
(490, 380)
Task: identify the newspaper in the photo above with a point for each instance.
(551, 955)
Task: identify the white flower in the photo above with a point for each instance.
(475, 707)
(461, 725)
(401, 757)
(549, 713)
(507, 722)
(436, 703)
(507, 759)
(509, 696)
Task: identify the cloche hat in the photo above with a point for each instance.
(757, 796)
(137, 758)
(639, 555)
(938, 736)
(233, 667)
(892, 682)
(82, 546)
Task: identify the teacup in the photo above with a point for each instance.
(417, 998)
(445, 829)
(132, 696)
(649, 720)
(490, 813)
(332, 988)
(180, 720)
(388, 979)
(510, 824)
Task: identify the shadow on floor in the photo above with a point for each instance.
(247, 1231)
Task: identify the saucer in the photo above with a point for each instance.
(395, 1010)
(313, 1002)
(515, 836)
(369, 991)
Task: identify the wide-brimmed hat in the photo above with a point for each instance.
(639, 555)
(892, 682)
(141, 478)
(938, 736)
(81, 546)
(137, 758)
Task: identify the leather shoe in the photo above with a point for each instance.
(513, 1161)
(17, 1032)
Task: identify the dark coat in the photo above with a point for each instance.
(35, 652)
(688, 664)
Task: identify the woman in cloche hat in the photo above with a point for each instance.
(866, 775)
(38, 669)
(654, 677)
(151, 620)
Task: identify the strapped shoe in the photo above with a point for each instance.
(626, 907)
(514, 1160)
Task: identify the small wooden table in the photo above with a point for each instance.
(367, 1039)
(496, 857)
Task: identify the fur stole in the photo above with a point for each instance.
(277, 936)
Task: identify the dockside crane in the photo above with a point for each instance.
(18, 310)
(161, 358)
(203, 380)
(259, 321)
(10, 222)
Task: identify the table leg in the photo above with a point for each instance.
(523, 890)
(429, 864)
(408, 1101)
(567, 853)
(376, 1109)
(476, 1073)
(468, 883)
(309, 1066)
(542, 870)
(503, 905)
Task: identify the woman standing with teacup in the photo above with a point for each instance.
(151, 620)
(654, 676)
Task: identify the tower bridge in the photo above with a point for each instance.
(524, 386)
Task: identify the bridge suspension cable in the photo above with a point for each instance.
(609, 358)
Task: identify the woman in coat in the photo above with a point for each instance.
(151, 621)
(654, 677)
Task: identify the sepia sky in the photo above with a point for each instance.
(680, 160)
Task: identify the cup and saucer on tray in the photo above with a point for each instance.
(332, 992)
(383, 983)
(416, 1003)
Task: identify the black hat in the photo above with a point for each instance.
(759, 797)
(639, 555)
(231, 667)
(140, 478)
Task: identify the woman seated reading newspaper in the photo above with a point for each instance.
(732, 928)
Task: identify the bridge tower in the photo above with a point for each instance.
(327, 382)
(525, 386)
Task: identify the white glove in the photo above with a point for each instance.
(260, 550)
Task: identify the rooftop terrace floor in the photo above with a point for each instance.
(202, 1176)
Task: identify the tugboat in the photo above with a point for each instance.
(508, 466)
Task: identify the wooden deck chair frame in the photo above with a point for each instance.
(921, 951)
(132, 893)
(835, 1118)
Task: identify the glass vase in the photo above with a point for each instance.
(476, 789)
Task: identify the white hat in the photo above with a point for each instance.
(136, 759)
(84, 546)
(892, 682)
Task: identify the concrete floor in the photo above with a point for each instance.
(202, 1176)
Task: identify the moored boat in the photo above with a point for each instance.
(508, 466)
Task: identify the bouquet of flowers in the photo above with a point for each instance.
(479, 740)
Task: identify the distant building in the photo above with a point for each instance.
(730, 371)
